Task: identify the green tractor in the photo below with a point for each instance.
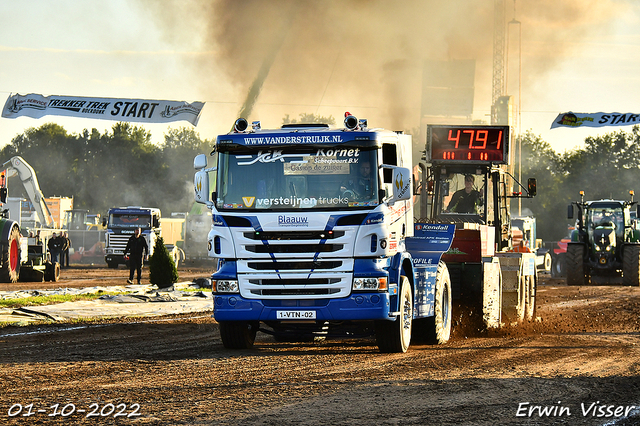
(605, 242)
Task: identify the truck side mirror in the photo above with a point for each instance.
(570, 211)
(200, 162)
(201, 186)
(3, 195)
(531, 185)
(104, 221)
(400, 185)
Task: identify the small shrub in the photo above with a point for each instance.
(162, 268)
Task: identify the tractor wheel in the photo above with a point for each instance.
(395, 336)
(238, 334)
(576, 274)
(10, 269)
(631, 265)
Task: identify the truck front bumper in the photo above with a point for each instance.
(357, 307)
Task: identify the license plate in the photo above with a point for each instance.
(295, 315)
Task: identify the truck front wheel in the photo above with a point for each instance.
(238, 334)
(395, 336)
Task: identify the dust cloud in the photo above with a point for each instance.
(297, 56)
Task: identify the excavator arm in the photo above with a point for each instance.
(17, 165)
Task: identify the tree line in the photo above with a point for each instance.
(607, 167)
(120, 167)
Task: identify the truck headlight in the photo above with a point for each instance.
(224, 286)
(362, 284)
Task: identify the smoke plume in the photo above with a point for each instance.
(294, 56)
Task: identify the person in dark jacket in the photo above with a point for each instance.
(136, 251)
(54, 247)
(65, 243)
(465, 200)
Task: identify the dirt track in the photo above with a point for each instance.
(585, 349)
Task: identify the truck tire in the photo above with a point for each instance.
(631, 265)
(395, 336)
(530, 302)
(238, 334)
(10, 269)
(440, 324)
(575, 265)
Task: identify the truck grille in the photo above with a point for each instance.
(118, 242)
(301, 265)
(298, 248)
(295, 285)
(298, 235)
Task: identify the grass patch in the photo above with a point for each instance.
(52, 299)
(195, 289)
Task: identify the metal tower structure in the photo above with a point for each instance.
(499, 43)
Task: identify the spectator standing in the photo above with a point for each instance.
(65, 245)
(54, 247)
(137, 250)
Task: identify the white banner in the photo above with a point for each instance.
(135, 110)
(597, 119)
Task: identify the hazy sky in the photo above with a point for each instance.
(328, 57)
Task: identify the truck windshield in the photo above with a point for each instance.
(130, 221)
(291, 179)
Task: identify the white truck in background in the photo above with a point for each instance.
(121, 223)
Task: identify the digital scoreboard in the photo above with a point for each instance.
(468, 144)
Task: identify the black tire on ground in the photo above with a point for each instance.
(576, 274)
(559, 265)
(631, 264)
(238, 334)
(10, 269)
(52, 272)
(112, 265)
(440, 325)
(530, 305)
(395, 336)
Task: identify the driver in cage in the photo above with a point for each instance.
(467, 199)
(362, 186)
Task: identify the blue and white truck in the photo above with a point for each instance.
(314, 234)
